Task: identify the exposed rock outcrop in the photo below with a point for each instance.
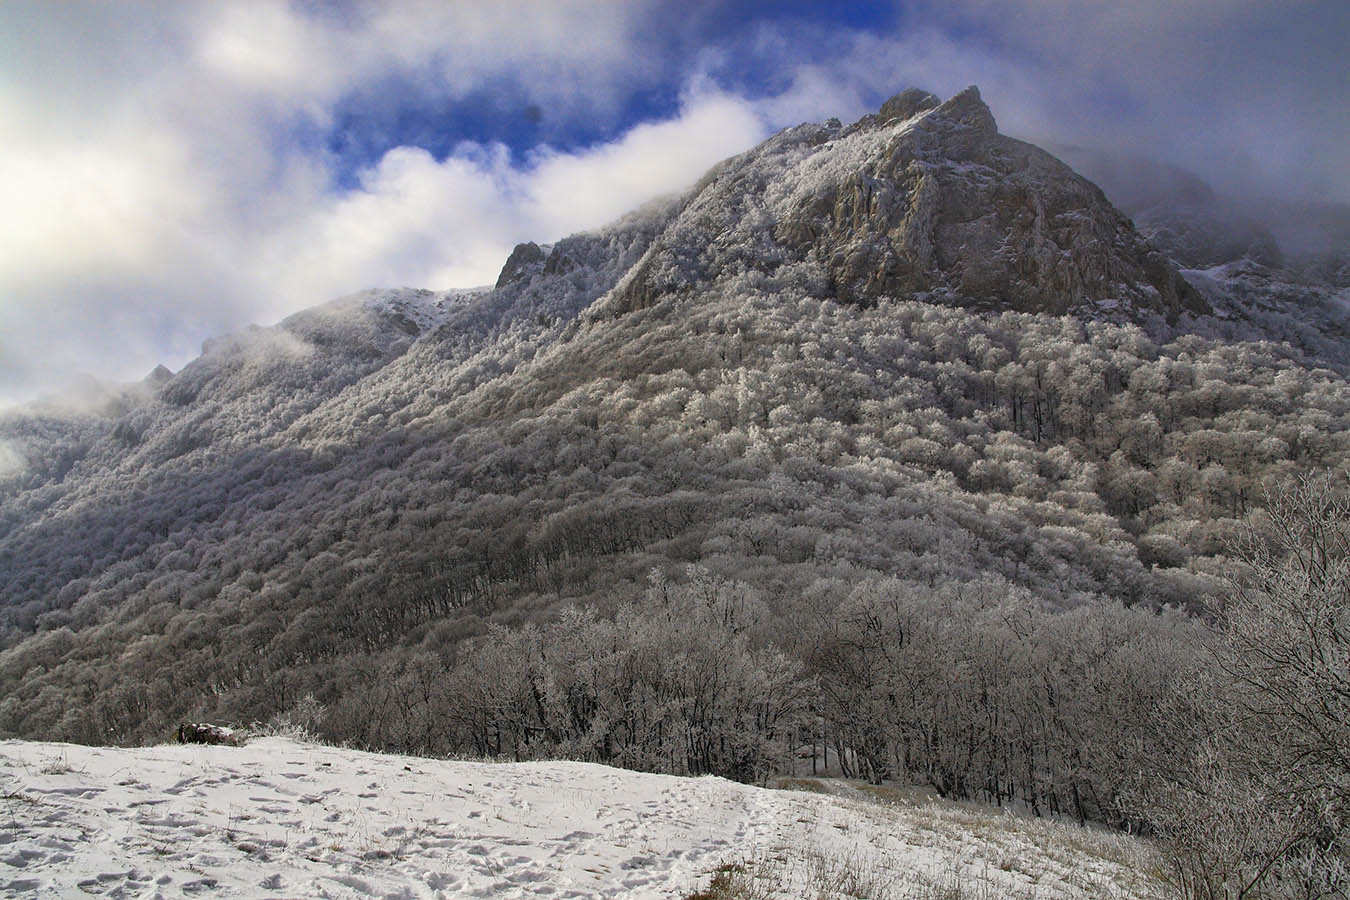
(525, 260)
(907, 104)
(924, 198)
(205, 733)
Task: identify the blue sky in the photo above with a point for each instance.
(175, 171)
(399, 111)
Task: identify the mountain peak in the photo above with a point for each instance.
(524, 260)
(963, 109)
(923, 199)
(968, 108)
(907, 104)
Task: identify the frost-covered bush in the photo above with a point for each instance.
(1251, 781)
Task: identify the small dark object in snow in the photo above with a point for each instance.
(202, 733)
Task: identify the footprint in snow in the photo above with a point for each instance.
(355, 884)
(22, 886)
(526, 876)
(443, 881)
(578, 836)
(22, 858)
(199, 886)
(136, 804)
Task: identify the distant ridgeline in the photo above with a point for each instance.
(895, 435)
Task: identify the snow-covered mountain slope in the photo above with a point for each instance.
(1256, 302)
(277, 818)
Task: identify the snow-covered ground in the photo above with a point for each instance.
(280, 818)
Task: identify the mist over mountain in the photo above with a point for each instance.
(1180, 213)
(902, 383)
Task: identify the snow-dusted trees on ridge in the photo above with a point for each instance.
(983, 693)
(229, 552)
(676, 682)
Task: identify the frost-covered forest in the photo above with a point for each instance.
(1002, 553)
(800, 447)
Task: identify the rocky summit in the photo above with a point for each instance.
(924, 199)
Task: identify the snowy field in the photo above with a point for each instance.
(279, 818)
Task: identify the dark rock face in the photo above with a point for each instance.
(159, 375)
(203, 733)
(525, 260)
(925, 198)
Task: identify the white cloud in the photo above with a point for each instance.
(270, 49)
(418, 221)
(12, 460)
(154, 196)
(567, 191)
(412, 220)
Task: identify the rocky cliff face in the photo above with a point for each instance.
(924, 199)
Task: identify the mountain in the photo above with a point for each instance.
(1176, 210)
(676, 492)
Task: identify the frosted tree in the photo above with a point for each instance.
(1258, 803)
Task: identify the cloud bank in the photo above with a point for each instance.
(170, 171)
